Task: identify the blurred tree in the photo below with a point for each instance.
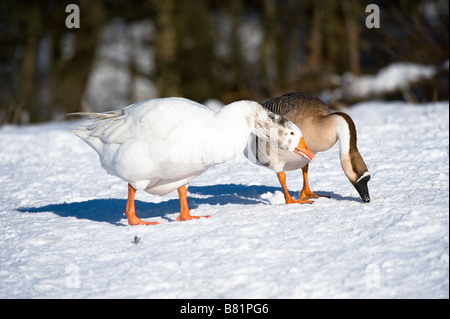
(18, 50)
(195, 58)
(32, 32)
(166, 47)
(315, 40)
(422, 26)
(204, 48)
(350, 10)
(273, 50)
(232, 62)
(71, 73)
(39, 25)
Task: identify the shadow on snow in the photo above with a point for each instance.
(112, 210)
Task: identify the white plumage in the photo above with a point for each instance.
(162, 144)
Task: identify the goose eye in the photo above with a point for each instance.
(292, 133)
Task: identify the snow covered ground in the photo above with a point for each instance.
(64, 235)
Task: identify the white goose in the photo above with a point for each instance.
(162, 144)
(321, 129)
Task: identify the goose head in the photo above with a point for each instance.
(278, 130)
(352, 162)
(357, 173)
(361, 187)
(356, 170)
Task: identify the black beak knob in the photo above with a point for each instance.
(363, 190)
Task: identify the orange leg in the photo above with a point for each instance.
(184, 209)
(130, 212)
(282, 178)
(306, 192)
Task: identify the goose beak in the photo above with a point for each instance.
(303, 150)
(363, 190)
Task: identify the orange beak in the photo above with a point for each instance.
(303, 150)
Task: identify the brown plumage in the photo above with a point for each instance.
(321, 129)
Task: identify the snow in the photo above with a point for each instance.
(393, 77)
(64, 234)
(396, 76)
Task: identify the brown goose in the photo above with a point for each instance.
(321, 130)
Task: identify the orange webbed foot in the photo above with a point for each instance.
(134, 221)
(304, 196)
(306, 193)
(189, 217)
(300, 201)
(184, 209)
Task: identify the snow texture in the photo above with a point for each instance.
(64, 234)
(397, 76)
(393, 77)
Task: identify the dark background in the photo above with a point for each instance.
(204, 49)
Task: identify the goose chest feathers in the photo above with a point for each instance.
(163, 144)
(321, 129)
